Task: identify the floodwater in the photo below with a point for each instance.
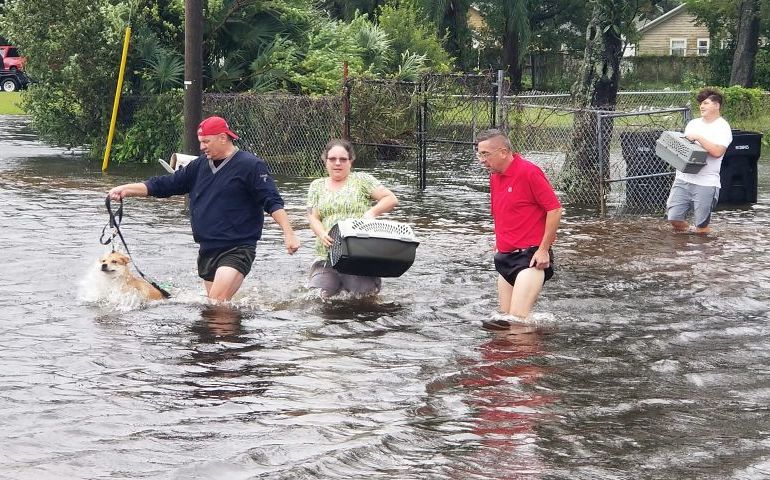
(651, 358)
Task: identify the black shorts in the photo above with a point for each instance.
(510, 264)
(239, 258)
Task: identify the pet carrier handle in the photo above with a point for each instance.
(685, 137)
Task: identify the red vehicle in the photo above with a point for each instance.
(11, 58)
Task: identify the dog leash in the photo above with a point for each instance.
(114, 223)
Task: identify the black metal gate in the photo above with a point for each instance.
(407, 117)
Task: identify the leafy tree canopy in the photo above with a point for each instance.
(74, 51)
(71, 51)
(349, 9)
(721, 16)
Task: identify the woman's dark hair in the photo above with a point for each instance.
(711, 94)
(338, 142)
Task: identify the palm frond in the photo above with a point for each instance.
(165, 71)
(376, 46)
(410, 68)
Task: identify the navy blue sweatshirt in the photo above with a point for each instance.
(227, 207)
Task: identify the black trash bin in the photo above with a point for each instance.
(644, 194)
(738, 174)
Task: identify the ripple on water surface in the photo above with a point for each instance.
(649, 353)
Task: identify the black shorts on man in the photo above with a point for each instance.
(239, 258)
(509, 264)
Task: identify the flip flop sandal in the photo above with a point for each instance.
(497, 325)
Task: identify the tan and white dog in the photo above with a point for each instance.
(116, 266)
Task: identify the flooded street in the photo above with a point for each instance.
(652, 359)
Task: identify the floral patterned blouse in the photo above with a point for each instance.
(352, 200)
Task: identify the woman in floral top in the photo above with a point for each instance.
(343, 194)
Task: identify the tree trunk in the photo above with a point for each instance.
(515, 39)
(512, 60)
(746, 45)
(597, 86)
(455, 21)
(587, 163)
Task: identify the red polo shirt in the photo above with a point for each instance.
(521, 197)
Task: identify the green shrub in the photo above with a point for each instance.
(329, 47)
(720, 63)
(409, 29)
(155, 131)
(739, 103)
(665, 69)
(762, 69)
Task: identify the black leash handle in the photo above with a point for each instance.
(114, 224)
(115, 219)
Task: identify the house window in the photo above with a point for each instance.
(703, 46)
(678, 47)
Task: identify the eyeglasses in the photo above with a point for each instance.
(485, 155)
(337, 159)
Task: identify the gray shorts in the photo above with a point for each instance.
(686, 197)
(331, 282)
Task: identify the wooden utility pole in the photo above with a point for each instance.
(193, 74)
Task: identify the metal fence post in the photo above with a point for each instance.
(424, 172)
(493, 101)
(501, 110)
(422, 121)
(600, 159)
(345, 103)
(687, 116)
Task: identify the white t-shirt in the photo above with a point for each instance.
(717, 131)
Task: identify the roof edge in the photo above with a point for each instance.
(662, 18)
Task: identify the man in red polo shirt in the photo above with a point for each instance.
(526, 213)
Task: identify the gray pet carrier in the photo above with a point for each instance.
(372, 248)
(680, 153)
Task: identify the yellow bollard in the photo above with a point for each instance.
(115, 104)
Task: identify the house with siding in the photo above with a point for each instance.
(475, 18)
(674, 33)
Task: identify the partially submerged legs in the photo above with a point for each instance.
(330, 282)
(680, 226)
(687, 197)
(519, 298)
(223, 271)
(227, 281)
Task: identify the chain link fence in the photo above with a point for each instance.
(414, 121)
(456, 107)
(381, 118)
(603, 161)
(599, 160)
(288, 131)
(638, 181)
(626, 101)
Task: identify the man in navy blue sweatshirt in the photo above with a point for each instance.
(230, 191)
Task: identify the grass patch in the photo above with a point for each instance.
(10, 103)
(759, 123)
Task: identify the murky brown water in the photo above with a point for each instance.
(654, 363)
